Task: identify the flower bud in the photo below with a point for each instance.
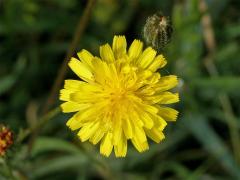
(157, 31)
(6, 139)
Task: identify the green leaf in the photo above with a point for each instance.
(218, 84)
(209, 139)
(46, 144)
(8, 81)
(180, 170)
(62, 163)
(227, 52)
(233, 31)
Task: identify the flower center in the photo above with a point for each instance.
(117, 96)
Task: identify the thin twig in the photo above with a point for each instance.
(82, 24)
(210, 42)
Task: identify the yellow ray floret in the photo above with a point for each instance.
(121, 97)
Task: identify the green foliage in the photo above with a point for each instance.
(34, 38)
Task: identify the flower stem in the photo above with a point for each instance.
(41, 122)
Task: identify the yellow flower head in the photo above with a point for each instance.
(120, 97)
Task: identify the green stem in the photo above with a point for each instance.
(42, 121)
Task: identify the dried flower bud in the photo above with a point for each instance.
(6, 139)
(157, 31)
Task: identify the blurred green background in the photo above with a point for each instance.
(204, 52)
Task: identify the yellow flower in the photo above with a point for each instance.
(121, 97)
